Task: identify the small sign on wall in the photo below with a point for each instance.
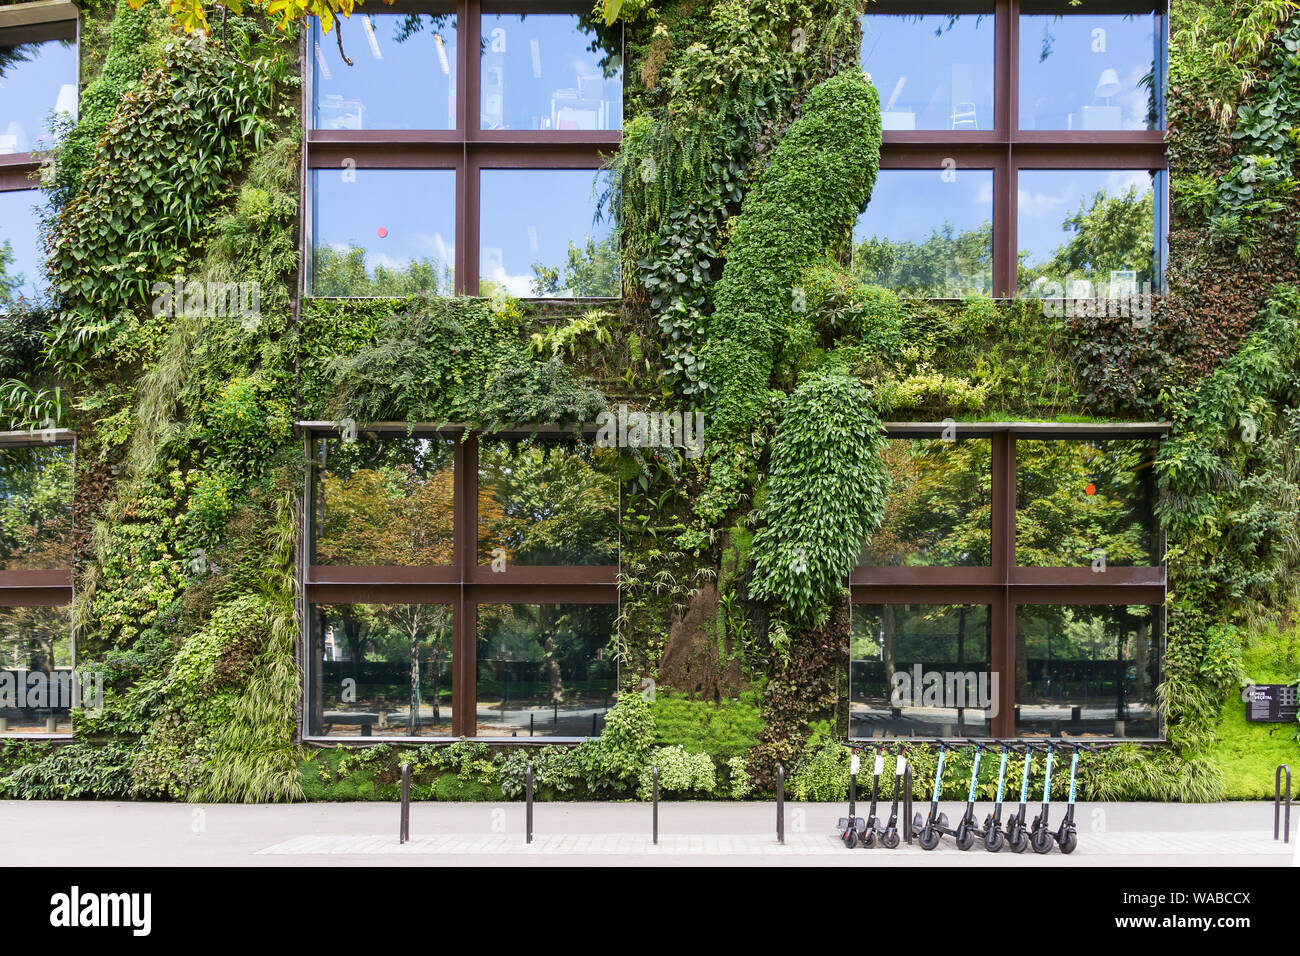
(1270, 703)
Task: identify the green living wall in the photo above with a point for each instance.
(761, 137)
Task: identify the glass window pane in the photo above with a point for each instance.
(1088, 670)
(22, 260)
(547, 503)
(383, 232)
(540, 72)
(933, 71)
(1088, 71)
(1086, 504)
(37, 81)
(920, 670)
(385, 502)
(403, 73)
(928, 232)
(381, 670)
(35, 507)
(1086, 232)
(545, 670)
(940, 505)
(35, 670)
(540, 236)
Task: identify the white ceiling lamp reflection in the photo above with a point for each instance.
(371, 38)
(1108, 85)
(537, 58)
(66, 102)
(442, 54)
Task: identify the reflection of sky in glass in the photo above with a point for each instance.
(908, 205)
(33, 88)
(530, 216)
(18, 222)
(929, 81)
(539, 74)
(409, 84)
(397, 216)
(1085, 71)
(1047, 196)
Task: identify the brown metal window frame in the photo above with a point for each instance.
(467, 149)
(34, 23)
(40, 587)
(464, 584)
(1006, 149)
(1004, 585)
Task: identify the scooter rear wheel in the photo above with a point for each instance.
(928, 837)
(994, 841)
(1041, 841)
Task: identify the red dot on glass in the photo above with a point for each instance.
(382, 232)
(1091, 489)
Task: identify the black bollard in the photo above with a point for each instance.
(654, 799)
(528, 812)
(780, 804)
(404, 828)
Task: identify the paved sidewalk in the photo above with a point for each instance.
(365, 834)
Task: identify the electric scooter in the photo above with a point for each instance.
(852, 828)
(932, 828)
(1066, 835)
(873, 821)
(1017, 839)
(967, 829)
(1040, 834)
(889, 835)
(991, 832)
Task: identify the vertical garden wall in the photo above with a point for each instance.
(751, 146)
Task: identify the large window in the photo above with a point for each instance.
(1023, 147)
(38, 86)
(438, 172)
(36, 645)
(1016, 586)
(458, 586)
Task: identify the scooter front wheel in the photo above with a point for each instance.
(994, 841)
(889, 839)
(851, 838)
(1041, 840)
(964, 838)
(929, 837)
(869, 839)
(1018, 843)
(1069, 842)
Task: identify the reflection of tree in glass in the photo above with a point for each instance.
(552, 504)
(36, 508)
(561, 639)
(948, 264)
(10, 282)
(1059, 524)
(1055, 637)
(1113, 233)
(38, 638)
(343, 272)
(939, 509)
(590, 271)
(386, 503)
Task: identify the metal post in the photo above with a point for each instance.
(654, 799)
(907, 803)
(1277, 802)
(594, 717)
(404, 829)
(528, 796)
(780, 804)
